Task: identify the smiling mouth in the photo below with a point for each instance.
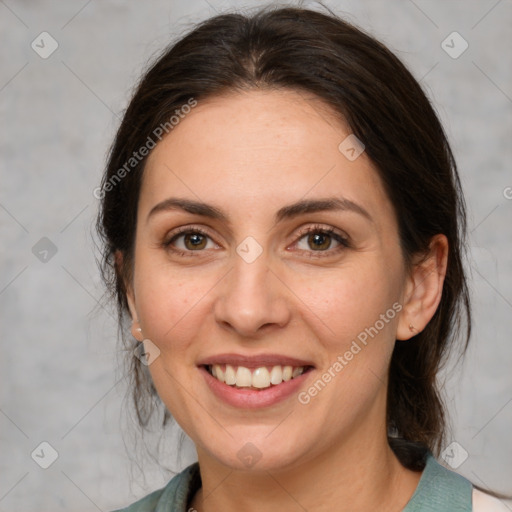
(260, 378)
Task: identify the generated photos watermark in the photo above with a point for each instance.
(344, 359)
(137, 156)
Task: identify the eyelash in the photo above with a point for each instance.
(342, 240)
(180, 232)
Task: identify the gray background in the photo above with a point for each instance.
(60, 379)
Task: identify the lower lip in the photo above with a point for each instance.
(249, 398)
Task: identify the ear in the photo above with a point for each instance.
(130, 297)
(423, 289)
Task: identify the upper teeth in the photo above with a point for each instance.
(258, 378)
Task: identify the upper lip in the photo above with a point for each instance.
(255, 361)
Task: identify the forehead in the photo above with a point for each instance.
(258, 150)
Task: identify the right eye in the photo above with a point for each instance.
(189, 240)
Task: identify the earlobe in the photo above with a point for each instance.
(136, 331)
(424, 289)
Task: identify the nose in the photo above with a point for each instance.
(252, 300)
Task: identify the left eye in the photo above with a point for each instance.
(320, 241)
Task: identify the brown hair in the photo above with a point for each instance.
(385, 107)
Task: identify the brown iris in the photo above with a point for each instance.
(194, 241)
(319, 241)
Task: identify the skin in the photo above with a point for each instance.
(250, 154)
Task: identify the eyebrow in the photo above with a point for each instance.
(194, 207)
(321, 205)
(287, 212)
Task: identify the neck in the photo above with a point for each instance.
(354, 476)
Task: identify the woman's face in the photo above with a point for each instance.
(262, 244)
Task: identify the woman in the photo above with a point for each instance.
(283, 227)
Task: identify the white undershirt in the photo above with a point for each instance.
(484, 503)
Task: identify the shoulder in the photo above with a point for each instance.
(440, 490)
(482, 502)
(174, 496)
(146, 504)
(443, 490)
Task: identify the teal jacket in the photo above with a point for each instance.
(439, 490)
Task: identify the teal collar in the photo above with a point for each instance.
(439, 490)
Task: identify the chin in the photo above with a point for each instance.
(257, 452)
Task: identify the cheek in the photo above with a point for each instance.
(172, 304)
(354, 318)
(349, 302)
(172, 307)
